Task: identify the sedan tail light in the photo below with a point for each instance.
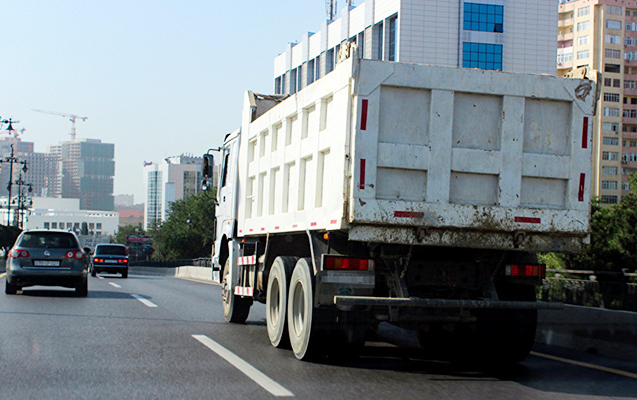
(74, 254)
(526, 271)
(17, 253)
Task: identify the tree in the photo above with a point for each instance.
(8, 235)
(187, 233)
(127, 230)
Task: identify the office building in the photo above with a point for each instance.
(507, 35)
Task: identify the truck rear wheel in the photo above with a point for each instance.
(276, 302)
(302, 316)
(235, 308)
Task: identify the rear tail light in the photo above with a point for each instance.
(74, 254)
(348, 263)
(17, 253)
(526, 270)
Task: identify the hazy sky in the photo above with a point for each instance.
(156, 78)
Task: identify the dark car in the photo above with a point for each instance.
(49, 258)
(110, 258)
(140, 250)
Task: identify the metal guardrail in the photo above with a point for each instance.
(604, 289)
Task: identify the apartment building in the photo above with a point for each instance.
(506, 35)
(602, 34)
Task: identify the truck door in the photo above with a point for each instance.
(226, 210)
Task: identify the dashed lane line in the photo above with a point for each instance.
(199, 281)
(257, 376)
(586, 365)
(115, 285)
(144, 300)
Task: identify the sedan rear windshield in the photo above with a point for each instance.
(49, 240)
(111, 250)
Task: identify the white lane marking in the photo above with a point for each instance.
(145, 301)
(586, 365)
(257, 376)
(99, 276)
(115, 285)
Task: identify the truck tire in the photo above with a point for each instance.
(10, 288)
(82, 289)
(276, 301)
(511, 333)
(302, 316)
(235, 308)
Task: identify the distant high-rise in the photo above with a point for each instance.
(88, 168)
(167, 182)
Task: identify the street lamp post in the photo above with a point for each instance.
(11, 160)
(22, 201)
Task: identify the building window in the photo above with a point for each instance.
(613, 10)
(611, 141)
(612, 97)
(378, 36)
(583, 40)
(610, 155)
(610, 126)
(329, 61)
(630, 56)
(612, 53)
(625, 186)
(609, 199)
(611, 112)
(293, 81)
(483, 17)
(629, 157)
(310, 72)
(609, 185)
(582, 54)
(613, 39)
(392, 39)
(630, 41)
(628, 84)
(612, 24)
(46, 225)
(482, 55)
(583, 11)
(609, 170)
(630, 113)
(616, 82)
(615, 68)
(564, 57)
(583, 26)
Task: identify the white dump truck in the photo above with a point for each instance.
(412, 194)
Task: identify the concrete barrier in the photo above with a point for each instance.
(596, 330)
(190, 272)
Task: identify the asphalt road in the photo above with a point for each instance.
(165, 338)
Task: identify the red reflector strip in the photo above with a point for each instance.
(243, 291)
(334, 221)
(528, 220)
(312, 223)
(526, 271)
(585, 133)
(362, 180)
(364, 114)
(408, 214)
(247, 260)
(346, 263)
(582, 181)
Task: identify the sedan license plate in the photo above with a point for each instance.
(110, 261)
(46, 263)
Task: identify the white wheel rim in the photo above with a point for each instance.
(275, 303)
(298, 309)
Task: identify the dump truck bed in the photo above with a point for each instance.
(417, 154)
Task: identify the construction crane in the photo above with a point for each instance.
(71, 118)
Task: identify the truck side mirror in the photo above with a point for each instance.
(208, 162)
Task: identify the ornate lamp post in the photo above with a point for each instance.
(23, 201)
(11, 160)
